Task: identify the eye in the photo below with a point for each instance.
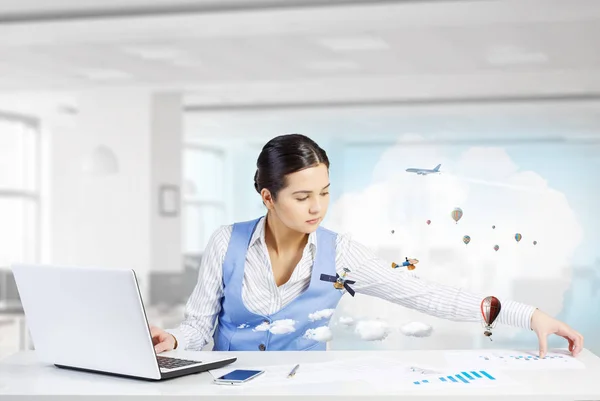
(301, 199)
(325, 194)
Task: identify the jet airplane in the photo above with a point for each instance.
(424, 171)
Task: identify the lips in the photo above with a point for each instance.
(313, 221)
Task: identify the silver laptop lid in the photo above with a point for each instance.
(89, 318)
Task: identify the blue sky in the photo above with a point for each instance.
(568, 167)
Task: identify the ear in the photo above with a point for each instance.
(267, 198)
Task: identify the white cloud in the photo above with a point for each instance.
(491, 190)
(264, 326)
(322, 314)
(372, 330)
(322, 334)
(416, 329)
(283, 326)
(346, 321)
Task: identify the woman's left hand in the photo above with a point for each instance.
(544, 325)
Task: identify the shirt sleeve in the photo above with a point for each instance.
(204, 305)
(375, 277)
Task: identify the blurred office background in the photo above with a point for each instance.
(129, 132)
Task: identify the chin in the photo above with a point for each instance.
(309, 228)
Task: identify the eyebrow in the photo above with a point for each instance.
(308, 192)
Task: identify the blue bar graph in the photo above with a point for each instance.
(468, 376)
(460, 378)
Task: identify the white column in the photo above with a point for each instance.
(166, 172)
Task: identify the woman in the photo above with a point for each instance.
(262, 277)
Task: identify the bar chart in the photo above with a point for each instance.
(464, 377)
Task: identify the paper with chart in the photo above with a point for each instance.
(381, 373)
(509, 359)
(464, 379)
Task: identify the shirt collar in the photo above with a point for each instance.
(259, 235)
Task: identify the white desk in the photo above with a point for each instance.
(22, 374)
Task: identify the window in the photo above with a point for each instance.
(204, 199)
(19, 190)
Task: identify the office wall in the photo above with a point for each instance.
(109, 219)
(527, 169)
(102, 219)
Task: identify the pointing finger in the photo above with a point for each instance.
(543, 339)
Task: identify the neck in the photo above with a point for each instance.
(280, 238)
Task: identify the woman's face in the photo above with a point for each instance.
(303, 203)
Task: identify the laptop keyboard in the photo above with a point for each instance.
(173, 363)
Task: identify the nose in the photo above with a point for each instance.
(315, 207)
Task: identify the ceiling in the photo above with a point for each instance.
(248, 52)
(26, 10)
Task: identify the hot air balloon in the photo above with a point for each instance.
(466, 239)
(493, 227)
(457, 214)
(534, 242)
(490, 309)
(496, 247)
(428, 222)
(393, 231)
(518, 237)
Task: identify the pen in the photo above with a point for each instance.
(293, 372)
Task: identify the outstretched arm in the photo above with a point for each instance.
(375, 277)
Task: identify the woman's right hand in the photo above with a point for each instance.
(162, 340)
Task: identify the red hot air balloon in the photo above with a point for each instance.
(428, 222)
(490, 309)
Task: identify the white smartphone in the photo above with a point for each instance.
(238, 376)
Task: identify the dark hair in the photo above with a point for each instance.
(283, 155)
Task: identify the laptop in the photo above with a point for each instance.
(93, 320)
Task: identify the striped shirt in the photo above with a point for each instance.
(373, 276)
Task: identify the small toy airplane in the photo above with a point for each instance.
(409, 263)
(339, 282)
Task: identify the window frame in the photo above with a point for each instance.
(197, 203)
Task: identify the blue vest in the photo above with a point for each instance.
(236, 329)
